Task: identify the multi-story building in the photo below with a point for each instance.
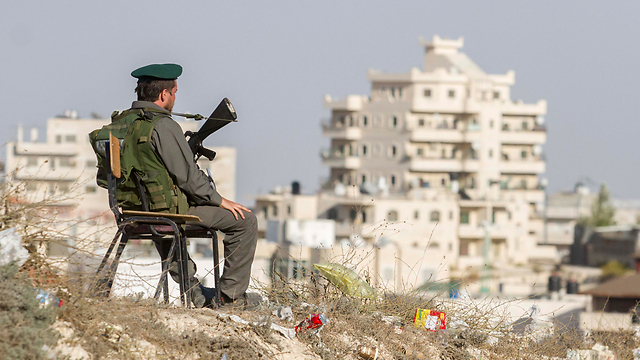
(441, 164)
(63, 168)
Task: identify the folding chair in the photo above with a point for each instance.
(154, 226)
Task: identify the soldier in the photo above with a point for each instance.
(156, 93)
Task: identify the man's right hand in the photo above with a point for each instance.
(235, 208)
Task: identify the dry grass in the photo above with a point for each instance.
(135, 328)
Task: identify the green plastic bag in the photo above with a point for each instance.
(346, 280)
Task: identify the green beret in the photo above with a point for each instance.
(158, 72)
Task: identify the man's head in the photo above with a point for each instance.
(157, 83)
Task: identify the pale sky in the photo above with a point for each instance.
(275, 61)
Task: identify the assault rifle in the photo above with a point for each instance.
(221, 116)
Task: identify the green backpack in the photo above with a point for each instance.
(139, 162)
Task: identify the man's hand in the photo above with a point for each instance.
(235, 208)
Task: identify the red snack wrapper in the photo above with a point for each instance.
(313, 321)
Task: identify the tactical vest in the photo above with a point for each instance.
(134, 128)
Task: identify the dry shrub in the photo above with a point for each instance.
(24, 325)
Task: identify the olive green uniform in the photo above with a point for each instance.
(240, 238)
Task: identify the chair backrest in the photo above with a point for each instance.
(112, 153)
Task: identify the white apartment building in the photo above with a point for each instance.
(430, 164)
(64, 164)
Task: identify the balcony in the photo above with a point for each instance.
(341, 161)
(346, 133)
(469, 231)
(430, 135)
(535, 136)
(530, 195)
(522, 167)
(443, 165)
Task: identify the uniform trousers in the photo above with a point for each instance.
(240, 237)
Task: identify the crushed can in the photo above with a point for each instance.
(313, 321)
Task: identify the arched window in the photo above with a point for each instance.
(435, 216)
(393, 215)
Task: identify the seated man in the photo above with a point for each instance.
(168, 164)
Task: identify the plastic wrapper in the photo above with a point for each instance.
(11, 249)
(431, 320)
(313, 321)
(346, 280)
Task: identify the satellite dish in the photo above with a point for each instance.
(539, 120)
(536, 150)
(369, 188)
(340, 190)
(455, 186)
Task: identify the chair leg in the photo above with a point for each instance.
(184, 272)
(216, 267)
(113, 268)
(97, 282)
(163, 283)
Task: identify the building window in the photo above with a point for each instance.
(464, 217)
(473, 183)
(525, 125)
(464, 249)
(393, 151)
(288, 209)
(523, 154)
(350, 120)
(332, 214)
(52, 163)
(364, 150)
(393, 180)
(364, 178)
(399, 92)
(450, 215)
(490, 153)
(420, 122)
(444, 182)
(452, 94)
(496, 95)
(393, 215)
(420, 151)
(52, 189)
(364, 121)
(265, 212)
(395, 121)
(90, 189)
(32, 186)
(91, 163)
(32, 161)
(341, 178)
(491, 124)
(435, 216)
(427, 93)
(70, 138)
(393, 92)
(523, 184)
(353, 214)
(275, 210)
(416, 214)
(67, 162)
(58, 139)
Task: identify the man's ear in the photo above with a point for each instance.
(163, 95)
